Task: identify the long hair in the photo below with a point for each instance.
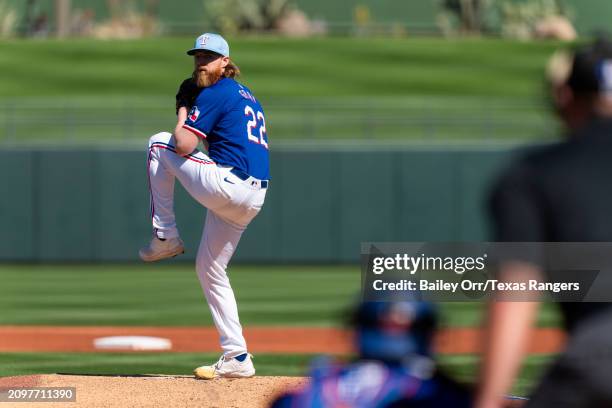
(231, 70)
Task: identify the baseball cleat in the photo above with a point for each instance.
(158, 249)
(227, 368)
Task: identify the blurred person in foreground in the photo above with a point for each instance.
(559, 193)
(394, 366)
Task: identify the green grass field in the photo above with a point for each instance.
(321, 88)
(169, 295)
(139, 363)
(276, 67)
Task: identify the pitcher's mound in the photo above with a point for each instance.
(94, 391)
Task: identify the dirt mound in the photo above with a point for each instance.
(160, 391)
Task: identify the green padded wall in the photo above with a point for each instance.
(427, 194)
(365, 200)
(65, 183)
(17, 205)
(93, 205)
(121, 198)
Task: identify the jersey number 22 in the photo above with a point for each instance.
(252, 124)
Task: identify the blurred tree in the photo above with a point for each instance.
(8, 19)
(470, 13)
(114, 8)
(129, 20)
(62, 18)
(511, 18)
(361, 19)
(231, 16)
(28, 17)
(152, 8)
(526, 19)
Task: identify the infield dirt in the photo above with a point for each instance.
(185, 391)
(158, 391)
(261, 339)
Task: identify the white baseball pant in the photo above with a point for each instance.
(231, 202)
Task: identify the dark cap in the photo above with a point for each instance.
(592, 67)
(391, 331)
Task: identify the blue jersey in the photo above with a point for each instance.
(373, 384)
(232, 121)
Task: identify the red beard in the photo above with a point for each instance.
(207, 78)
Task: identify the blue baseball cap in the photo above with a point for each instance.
(210, 42)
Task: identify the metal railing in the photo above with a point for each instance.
(94, 122)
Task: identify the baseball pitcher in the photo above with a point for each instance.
(230, 181)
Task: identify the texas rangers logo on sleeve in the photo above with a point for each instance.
(194, 114)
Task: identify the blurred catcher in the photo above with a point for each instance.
(394, 367)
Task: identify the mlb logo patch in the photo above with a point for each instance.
(194, 114)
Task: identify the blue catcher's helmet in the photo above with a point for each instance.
(394, 331)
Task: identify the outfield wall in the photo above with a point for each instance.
(92, 205)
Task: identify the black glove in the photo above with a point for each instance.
(187, 94)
